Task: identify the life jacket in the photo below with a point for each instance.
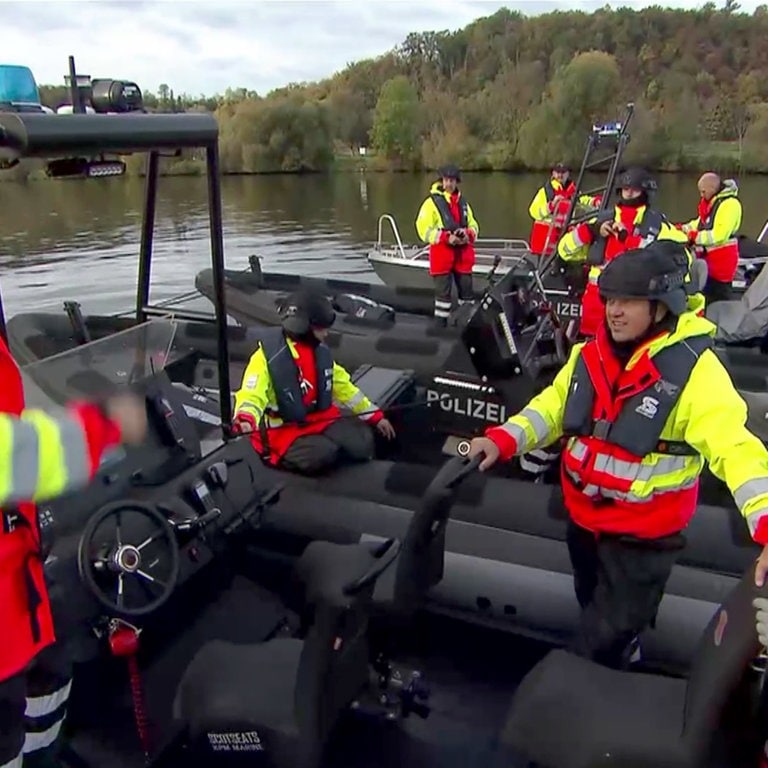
(24, 605)
(722, 259)
(446, 216)
(545, 232)
(291, 384)
(608, 445)
(639, 424)
(647, 229)
(445, 258)
(605, 249)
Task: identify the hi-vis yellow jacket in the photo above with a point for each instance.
(539, 209)
(44, 456)
(257, 398)
(608, 489)
(725, 214)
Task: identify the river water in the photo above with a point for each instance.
(79, 239)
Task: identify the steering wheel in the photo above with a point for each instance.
(128, 557)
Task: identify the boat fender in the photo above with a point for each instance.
(363, 309)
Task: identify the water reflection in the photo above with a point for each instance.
(75, 239)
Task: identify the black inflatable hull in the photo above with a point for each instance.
(409, 343)
(507, 563)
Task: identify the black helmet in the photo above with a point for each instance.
(657, 273)
(449, 171)
(636, 178)
(307, 309)
(561, 168)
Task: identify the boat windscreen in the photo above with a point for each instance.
(17, 85)
(95, 369)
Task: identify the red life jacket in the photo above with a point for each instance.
(27, 621)
(617, 397)
(445, 258)
(27, 625)
(640, 231)
(722, 260)
(544, 234)
(279, 439)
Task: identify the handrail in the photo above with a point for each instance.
(762, 232)
(395, 231)
(506, 244)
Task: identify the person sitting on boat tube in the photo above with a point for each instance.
(446, 222)
(549, 208)
(639, 409)
(291, 391)
(633, 223)
(43, 457)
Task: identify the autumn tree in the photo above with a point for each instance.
(395, 131)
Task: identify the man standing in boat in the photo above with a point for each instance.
(639, 409)
(43, 457)
(446, 222)
(291, 390)
(713, 234)
(632, 223)
(549, 208)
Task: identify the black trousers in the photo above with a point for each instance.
(33, 705)
(444, 292)
(347, 438)
(715, 290)
(619, 583)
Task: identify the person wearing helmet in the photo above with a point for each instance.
(291, 390)
(713, 234)
(635, 411)
(549, 208)
(446, 222)
(633, 223)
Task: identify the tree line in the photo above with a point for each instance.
(510, 92)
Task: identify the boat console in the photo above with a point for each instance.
(154, 515)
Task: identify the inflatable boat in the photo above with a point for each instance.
(221, 542)
(219, 613)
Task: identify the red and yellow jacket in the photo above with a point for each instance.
(608, 489)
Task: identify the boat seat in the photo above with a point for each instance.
(282, 698)
(606, 717)
(420, 566)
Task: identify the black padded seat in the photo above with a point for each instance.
(282, 698)
(243, 683)
(578, 699)
(570, 712)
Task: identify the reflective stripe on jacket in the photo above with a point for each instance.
(543, 208)
(608, 489)
(256, 400)
(42, 457)
(716, 232)
(434, 230)
(574, 247)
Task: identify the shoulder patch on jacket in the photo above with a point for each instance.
(251, 382)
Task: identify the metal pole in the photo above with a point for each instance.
(2, 321)
(74, 91)
(220, 301)
(147, 233)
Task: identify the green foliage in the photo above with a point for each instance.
(510, 91)
(395, 132)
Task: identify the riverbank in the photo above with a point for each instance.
(724, 157)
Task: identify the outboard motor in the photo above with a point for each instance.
(486, 376)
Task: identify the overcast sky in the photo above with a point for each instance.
(204, 47)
